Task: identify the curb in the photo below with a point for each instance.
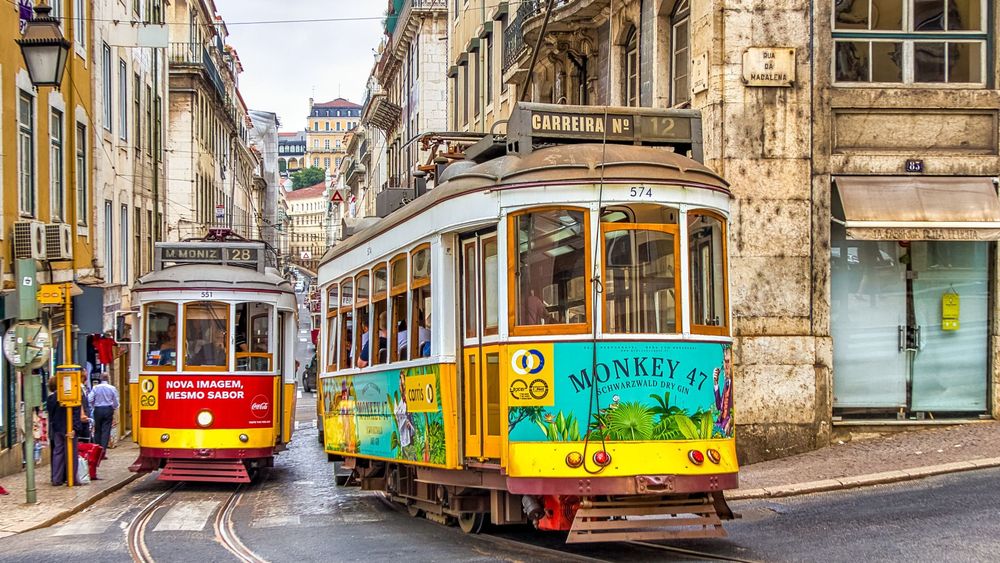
(852, 482)
(84, 504)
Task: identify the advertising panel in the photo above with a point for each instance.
(393, 414)
(628, 391)
(173, 401)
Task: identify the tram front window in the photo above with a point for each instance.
(550, 279)
(640, 293)
(707, 251)
(253, 323)
(161, 335)
(206, 343)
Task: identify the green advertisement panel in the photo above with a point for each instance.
(627, 391)
(394, 414)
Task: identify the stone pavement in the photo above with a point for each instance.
(57, 503)
(861, 462)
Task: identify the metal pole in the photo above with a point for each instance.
(68, 345)
(29, 438)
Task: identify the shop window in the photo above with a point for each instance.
(910, 41)
(420, 296)
(707, 266)
(161, 336)
(253, 327)
(550, 271)
(399, 349)
(206, 336)
(346, 334)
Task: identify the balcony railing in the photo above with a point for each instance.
(197, 55)
(513, 34)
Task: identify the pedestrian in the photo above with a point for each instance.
(58, 432)
(104, 399)
(86, 411)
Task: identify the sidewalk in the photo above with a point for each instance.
(57, 503)
(884, 459)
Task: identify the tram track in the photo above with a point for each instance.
(223, 528)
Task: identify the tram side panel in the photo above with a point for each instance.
(403, 414)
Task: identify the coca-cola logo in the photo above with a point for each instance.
(260, 406)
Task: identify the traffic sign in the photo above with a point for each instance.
(337, 197)
(220, 212)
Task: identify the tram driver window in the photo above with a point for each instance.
(206, 339)
(252, 336)
(161, 335)
(707, 254)
(550, 275)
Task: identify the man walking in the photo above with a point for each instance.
(104, 401)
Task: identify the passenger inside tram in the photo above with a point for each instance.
(168, 346)
(363, 356)
(161, 334)
(212, 353)
(424, 334)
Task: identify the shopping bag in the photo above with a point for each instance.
(82, 471)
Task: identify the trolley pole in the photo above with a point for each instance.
(29, 436)
(68, 342)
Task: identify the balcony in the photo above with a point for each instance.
(513, 34)
(380, 112)
(195, 55)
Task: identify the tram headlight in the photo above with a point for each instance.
(574, 459)
(164, 437)
(713, 455)
(205, 418)
(602, 458)
(696, 457)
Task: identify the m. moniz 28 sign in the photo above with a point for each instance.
(247, 254)
(532, 124)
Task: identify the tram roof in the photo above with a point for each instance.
(570, 163)
(220, 277)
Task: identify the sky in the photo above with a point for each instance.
(284, 64)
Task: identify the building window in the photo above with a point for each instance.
(630, 69)
(489, 69)
(81, 174)
(477, 77)
(80, 24)
(327, 125)
(316, 163)
(338, 144)
(56, 168)
(106, 84)
(339, 160)
(109, 241)
(122, 99)
(137, 248)
(137, 112)
(454, 102)
(149, 121)
(326, 163)
(326, 143)
(123, 238)
(338, 126)
(910, 42)
(26, 154)
(151, 227)
(680, 54)
(465, 94)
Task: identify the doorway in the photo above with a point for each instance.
(479, 282)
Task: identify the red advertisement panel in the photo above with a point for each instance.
(235, 401)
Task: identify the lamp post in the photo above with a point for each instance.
(45, 51)
(44, 48)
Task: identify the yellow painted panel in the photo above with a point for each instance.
(289, 414)
(548, 459)
(197, 439)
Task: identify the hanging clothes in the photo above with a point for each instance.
(105, 349)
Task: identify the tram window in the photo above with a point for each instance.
(361, 311)
(641, 213)
(420, 296)
(640, 285)
(471, 285)
(550, 247)
(347, 351)
(379, 353)
(491, 287)
(398, 345)
(252, 337)
(707, 257)
(161, 335)
(206, 341)
(332, 305)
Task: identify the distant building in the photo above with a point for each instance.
(264, 138)
(328, 124)
(291, 151)
(307, 210)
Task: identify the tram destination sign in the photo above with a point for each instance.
(534, 124)
(233, 254)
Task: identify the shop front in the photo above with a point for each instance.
(912, 270)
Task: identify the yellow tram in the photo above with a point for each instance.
(544, 336)
(213, 375)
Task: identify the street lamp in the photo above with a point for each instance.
(44, 48)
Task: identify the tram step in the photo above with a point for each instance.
(213, 471)
(641, 519)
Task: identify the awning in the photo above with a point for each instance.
(917, 207)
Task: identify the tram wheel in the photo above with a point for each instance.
(471, 522)
(414, 510)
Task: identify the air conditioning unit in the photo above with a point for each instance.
(29, 240)
(58, 241)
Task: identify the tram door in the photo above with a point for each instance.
(480, 278)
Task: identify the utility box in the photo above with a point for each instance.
(68, 385)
